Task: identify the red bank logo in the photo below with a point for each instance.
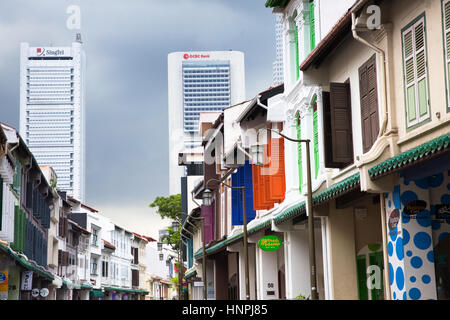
(195, 56)
(40, 51)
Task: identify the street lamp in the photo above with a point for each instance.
(207, 201)
(257, 151)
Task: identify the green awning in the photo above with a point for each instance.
(96, 294)
(126, 290)
(21, 260)
(428, 149)
(190, 274)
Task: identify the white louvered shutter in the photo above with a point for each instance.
(446, 22)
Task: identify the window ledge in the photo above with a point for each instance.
(425, 129)
(344, 171)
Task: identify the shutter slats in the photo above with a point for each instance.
(408, 44)
(447, 15)
(299, 152)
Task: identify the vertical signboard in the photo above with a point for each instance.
(3, 284)
(27, 280)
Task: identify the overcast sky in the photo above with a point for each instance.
(126, 44)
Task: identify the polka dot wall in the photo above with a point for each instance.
(410, 244)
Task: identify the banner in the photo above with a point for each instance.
(3, 284)
(27, 280)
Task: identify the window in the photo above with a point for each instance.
(338, 140)
(94, 236)
(299, 148)
(293, 48)
(415, 72)
(315, 137)
(105, 269)
(312, 26)
(94, 266)
(446, 29)
(369, 103)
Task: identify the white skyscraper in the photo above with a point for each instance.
(52, 115)
(278, 63)
(198, 82)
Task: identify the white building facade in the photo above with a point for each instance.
(52, 111)
(278, 63)
(197, 82)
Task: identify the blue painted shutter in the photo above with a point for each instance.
(243, 177)
(190, 253)
(248, 178)
(236, 199)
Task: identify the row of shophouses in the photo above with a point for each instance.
(367, 82)
(53, 247)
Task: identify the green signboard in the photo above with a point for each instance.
(269, 243)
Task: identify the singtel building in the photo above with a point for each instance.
(52, 115)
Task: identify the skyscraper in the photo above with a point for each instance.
(278, 63)
(198, 82)
(52, 115)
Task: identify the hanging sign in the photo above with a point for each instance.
(27, 280)
(414, 207)
(394, 217)
(44, 292)
(3, 282)
(442, 211)
(269, 243)
(35, 292)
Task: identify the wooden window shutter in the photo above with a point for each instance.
(297, 59)
(312, 33)
(369, 103)
(66, 227)
(446, 26)
(341, 126)
(415, 73)
(299, 151)
(277, 176)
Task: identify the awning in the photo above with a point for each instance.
(190, 274)
(426, 151)
(96, 294)
(26, 264)
(126, 290)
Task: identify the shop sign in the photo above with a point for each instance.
(442, 211)
(414, 207)
(198, 284)
(35, 292)
(394, 218)
(269, 243)
(27, 280)
(44, 292)
(3, 281)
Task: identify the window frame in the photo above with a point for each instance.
(419, 121)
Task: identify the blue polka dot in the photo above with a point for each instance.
(422, 183)
(408, 196)
(430, 256)
(423, 218)
(436, 180)
(404, 296)
(406, 237)
(405, 218)
(448, 186)
(435, 225)
(391, 274)
(390, 249)
(412, 279)
(409, 253)
(422, 240)
(395, 296)
(445, 199)
(393, 234)
(399, 248)
(406, 182)
(442, 236)
(396, 198)
(386, 195)
(414, 294)
(426, 279)
(399, 278)
(416, 262)
(389, 203)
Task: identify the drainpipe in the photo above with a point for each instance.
(383, 71)
(387, 286)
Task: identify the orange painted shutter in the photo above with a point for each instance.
(277, 177)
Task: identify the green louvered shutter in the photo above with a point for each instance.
(315, 138)
(446, 22)
(299, 147)
(297, 62)
(415, 73)
(312, 33)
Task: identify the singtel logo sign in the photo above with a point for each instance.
(42, 52)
